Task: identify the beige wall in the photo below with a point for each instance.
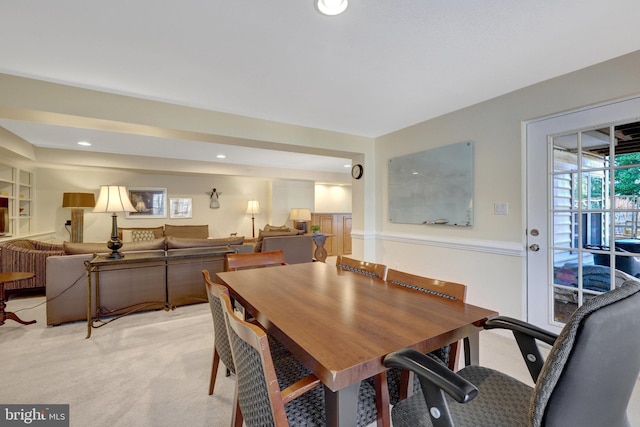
(489, 257)
(229, 218)
(332, 198)
(27, 99)
(276, 198)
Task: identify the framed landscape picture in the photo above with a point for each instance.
(150, 202)
(180, 208)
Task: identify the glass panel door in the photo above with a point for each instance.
(593, 221)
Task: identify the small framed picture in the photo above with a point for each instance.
(180, 208)
(150, 202)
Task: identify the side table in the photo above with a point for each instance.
(6, 278)
(319, 239)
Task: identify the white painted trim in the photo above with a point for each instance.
(362, 235)
(486, 246)
(48, 236)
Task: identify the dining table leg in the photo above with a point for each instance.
(342, 406)
(472, 349)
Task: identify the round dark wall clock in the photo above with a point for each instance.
(357, 171)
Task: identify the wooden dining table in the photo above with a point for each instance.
(341, 324)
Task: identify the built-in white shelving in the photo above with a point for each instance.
(16, 201)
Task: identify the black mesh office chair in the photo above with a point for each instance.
(587, 379)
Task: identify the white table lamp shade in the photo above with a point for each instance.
(300, 214)
(113, 198)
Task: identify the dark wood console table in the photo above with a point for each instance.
(138, 260)
(6, 278)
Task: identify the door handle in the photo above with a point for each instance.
(534, 248)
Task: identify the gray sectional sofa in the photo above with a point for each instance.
(167, 281)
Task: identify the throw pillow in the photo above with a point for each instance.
(126, 236)
(141, 235)
(158, 232)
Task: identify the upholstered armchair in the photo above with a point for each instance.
(29, 256)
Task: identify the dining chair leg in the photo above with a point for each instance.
(382, 400)
(214, 371)
(453, 356)
(406, 384)
(236, 416)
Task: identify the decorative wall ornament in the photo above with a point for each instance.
(214, 195)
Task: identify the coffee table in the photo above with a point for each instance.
(6, 278)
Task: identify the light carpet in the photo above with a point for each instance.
(147, 369)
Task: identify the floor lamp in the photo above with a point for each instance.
(114, 199)
(77, 202)
(253, 208)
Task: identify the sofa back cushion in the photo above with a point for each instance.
(269, 227)
(297, 249)
(187, 231)
(180, 243)
(271, 231)
(90, 248)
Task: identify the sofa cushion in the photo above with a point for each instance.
(275, 228)
(90, 248)
(137, 235)
(181, 243)
(279, 232)
(158, 232)
(187, 231)
(296, 249)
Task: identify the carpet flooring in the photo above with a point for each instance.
(147, 369)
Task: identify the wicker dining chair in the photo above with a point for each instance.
(377, 271)
(271, 397)
(221, 346)
(255, 260)
(448, 290)
(587, 379)
(402, 383)
(235, 262)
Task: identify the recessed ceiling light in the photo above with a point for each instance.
(84, 143)
(221, 156)
(331, 7)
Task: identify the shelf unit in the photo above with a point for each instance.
(16, 201)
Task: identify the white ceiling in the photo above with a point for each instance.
(381, 66)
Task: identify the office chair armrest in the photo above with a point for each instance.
(435, 379)
(526, 335)
(433, 371)
(515, 325)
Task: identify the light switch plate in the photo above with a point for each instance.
(501, 208)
